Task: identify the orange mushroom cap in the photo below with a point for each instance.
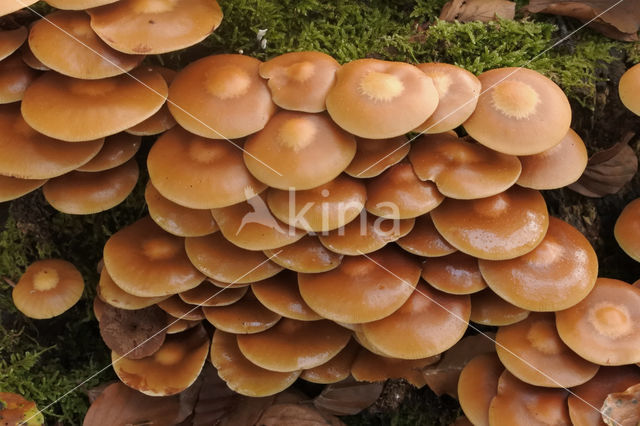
(30, 59)
(280, 294)
(477, 385)
(369, 367)
(336, 369)
(374, 156)
(78, 4)
(162, 120)
(15, 77)
(10, 6)
(305, 255)
(207, 294)
(11, 40)
(457, 273)
(110, 293)
(629, 87)
(117, 150)
(424, 239)
(627, 229)
(179, 309)
(12, 188)
(487, 308)
(246, 316)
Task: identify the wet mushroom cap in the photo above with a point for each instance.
(627, 229)
(556, 167)
(143, 27)
(280, 294)
(297, 151)
(77, 110)
(91, 192)
(12, 188)
(533, 352)
(178, 308)
(461, 169)
(15, 77)
(162, 120)
(457, 273)
(371, 287)
(240, 374)
(246, 316)
(374, 156)
(424, 239)
(458, 92)
(11, 40)
(305, 255)
(200, 173)
(487, 308)
(170, 370)
(294, 345)
(629, 87)
(380, 99)
(207, 294)
(110, 293)
(604, 327)
(477, 385)
(321, 209)
(336, 369)
(146, 261)
(369, 367)
(300, 81)
(217, 258)
(77, 4)
(514, 101)
(221, 97)
(48, 288)
(64, 42)
(117, 150)
(503, 226)
(180, 325)
(10, 6)
(427, 324)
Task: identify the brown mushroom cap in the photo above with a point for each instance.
(294, 345)
(179, 309)
(477, 385)
(586, 401)
(240, 374)
(457, 273)
(77, 110)
(145, 261)
(28, 154)
(207, 294)
(78, 4)
(321, 209)
(11, 40)
(109, 292)
(627, 229)
(305, 255)
(366, 234)
(180, 325)
(175, 219)
(15, 77)
(371, 287)
(30, 59)
(399, 194)
(98, 307)
(12, 188)
(518, 403)
(533, 352)
(374, 156)
(512, 104)
(200, 173)
(487, 308)
(425, 240)
(217, 258)
(246, 316)
(91, 192)
(221, 97)
(280, 294)
(555, 275)
(461, 169)
(336, 369)
(300, 81)
(629, 87)
(117, 150)
(369, 367)
(380, 99)
(504, 226)
(162, 120)
(458, 92)
(48, 288)
(143, 27)
(604, 327)
(249, 225)
(427, 324)
(298, 150)
(556, 167)
(10, 6)
(172, 369)
(64, 42)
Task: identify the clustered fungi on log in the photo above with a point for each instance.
(247, 226)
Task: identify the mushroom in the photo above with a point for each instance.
(457, 273)
(487, 308)
(305, 255)
(77, 4)
(15, 77)
(280, 294)
(109, 292)
(627, 229)
(207, 294)
(336, 369)
(629, 87)
(246, 316)
(117, 150)
(374, 156)
(10, 6)
(424, 239)
(478, 385)
(369, 367)
(11, 40)
(12, 188)
(162, 120)
(179, 309)
(180, 325)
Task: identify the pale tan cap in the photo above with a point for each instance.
(117, 150)
(78, 4)
(10, 6)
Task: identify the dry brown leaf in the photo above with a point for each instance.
(622, 408)
(477, 10)
(296, 415)
(443, 377)
(621, 22)
(607, 171)
(348, 397)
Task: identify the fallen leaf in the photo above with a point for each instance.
(215, 400)
(621, 21)
(296, 415)
(348, 397)
(477, 10)
(16, 410)
(608, 171)
(443, 377)
(622, 408)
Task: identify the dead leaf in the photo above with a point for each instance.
(621, 21)
(296, 415)
(622, 408)
(477, 10)
(348, 397)
(16, 410)
(215, 400)
(443, 377)
(608, 171)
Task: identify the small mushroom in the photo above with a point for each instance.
(457, 273)
(207, 294)
(369, 367)
(246, 316)
(425, 240)
(627, 229)
(12, 187)
(374, 156)
(487, 308)
(629, 87)
(77, 4)
(336, 369)
(109, 292)
(477, 385)
(117, 150)
(280, 294)
(179, 309)
(305, 255)
(162, 120)
(10, 6)
(11, 40)
(15, 77)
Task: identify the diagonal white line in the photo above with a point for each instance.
(473, 327)
(562, 40)
(151, 89)
(160, 331)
